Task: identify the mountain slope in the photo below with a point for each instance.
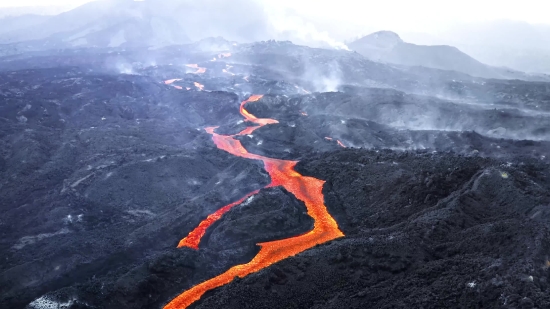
(102, 24)
(387, 46)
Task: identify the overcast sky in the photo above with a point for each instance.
(16, 3)
(398, 15)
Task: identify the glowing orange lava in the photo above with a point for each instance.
(193, 239)
(337, 141)
(196, 66)
(199, 86)
(306, 189)
(302, 89)
(171, 81)
(226, 71)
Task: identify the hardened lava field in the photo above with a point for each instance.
(224, 178)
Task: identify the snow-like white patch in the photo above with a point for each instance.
(22, 119)
(26, 108)
(76, 183)
(472, 284)
(68, 219)
(29, 240)
(45, 302)
(140, 212)
(194, 182)
(248, 201)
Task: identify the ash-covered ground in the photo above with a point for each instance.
(439, 181)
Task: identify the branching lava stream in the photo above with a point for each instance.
(306, 189)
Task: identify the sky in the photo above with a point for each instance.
(12, 3)
(430, 16)
(421, 15)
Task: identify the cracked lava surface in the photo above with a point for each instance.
(282, 173)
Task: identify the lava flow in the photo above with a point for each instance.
(171, 81)
(196, 66)
(282, 173)
(337, 141)
(226, 71)
(199, 86)
(302, 89)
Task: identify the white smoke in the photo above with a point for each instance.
(294, 28)
(328, 80)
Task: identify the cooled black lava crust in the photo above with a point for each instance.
(445, 203)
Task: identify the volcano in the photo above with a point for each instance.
(219, 174)
(387, 46)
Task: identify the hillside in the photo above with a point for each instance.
(387, 46)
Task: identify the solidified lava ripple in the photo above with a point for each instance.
(306, 189)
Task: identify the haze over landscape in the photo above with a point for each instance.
(494, 32)
(212, 154)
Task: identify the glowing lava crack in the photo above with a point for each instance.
(306, 189)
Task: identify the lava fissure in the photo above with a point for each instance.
(282, 173)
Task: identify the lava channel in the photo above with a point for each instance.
(199, 86)
(282, 173)
(337, 141)
(226, 71)
(171, 81)
(196, 66)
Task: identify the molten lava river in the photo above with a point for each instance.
(306, 189)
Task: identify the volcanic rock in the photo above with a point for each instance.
(111, 167)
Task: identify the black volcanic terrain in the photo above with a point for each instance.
(438, 181)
